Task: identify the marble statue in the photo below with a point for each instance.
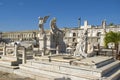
(84, 48)
(56, 37)
(53, 27)
(81, 46)
(42, 20)
(42, 37)
(104, 24)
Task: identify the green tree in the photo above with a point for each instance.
(112, 37)
(111, 24)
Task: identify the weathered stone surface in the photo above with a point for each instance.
(10, 76)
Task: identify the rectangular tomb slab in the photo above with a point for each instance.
(93, 62)
(59, 58)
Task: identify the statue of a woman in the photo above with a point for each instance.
(53, 26)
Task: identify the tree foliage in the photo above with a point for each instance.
(112, 37)
(111, 24)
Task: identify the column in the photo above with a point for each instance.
(4, 49)
(15, 50)
(86, 39)
(57, 50)
(43, 44)
(42, 53)
(103, 32)
(85, 24)
(24, 56)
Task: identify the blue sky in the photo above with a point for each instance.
(17, 15)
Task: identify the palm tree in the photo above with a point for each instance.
(112, 37)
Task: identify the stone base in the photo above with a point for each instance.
(65, 59)
(54, 70)
(93, 62)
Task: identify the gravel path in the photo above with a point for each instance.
(9, 76)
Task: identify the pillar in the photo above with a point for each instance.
(4, 49)
(103, 33)
(42, 53)
(85, 41)
(15, 50)
(42, 44)
(85, 24)
(57, 50)
(24, 56)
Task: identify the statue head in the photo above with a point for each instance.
(40, 18)
(53, 20)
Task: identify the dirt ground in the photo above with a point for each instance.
(9, 76)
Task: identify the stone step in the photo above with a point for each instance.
(115, 76)
(51, 66)
(55, 74)
(8, 68)
(105, 62)
(45, 64)
(35, 70)
(108, 68)
(34, 75)
(9, 63)
(93, 62)
(38, 63)
(6, 64)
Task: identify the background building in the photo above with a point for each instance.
(71, 35)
